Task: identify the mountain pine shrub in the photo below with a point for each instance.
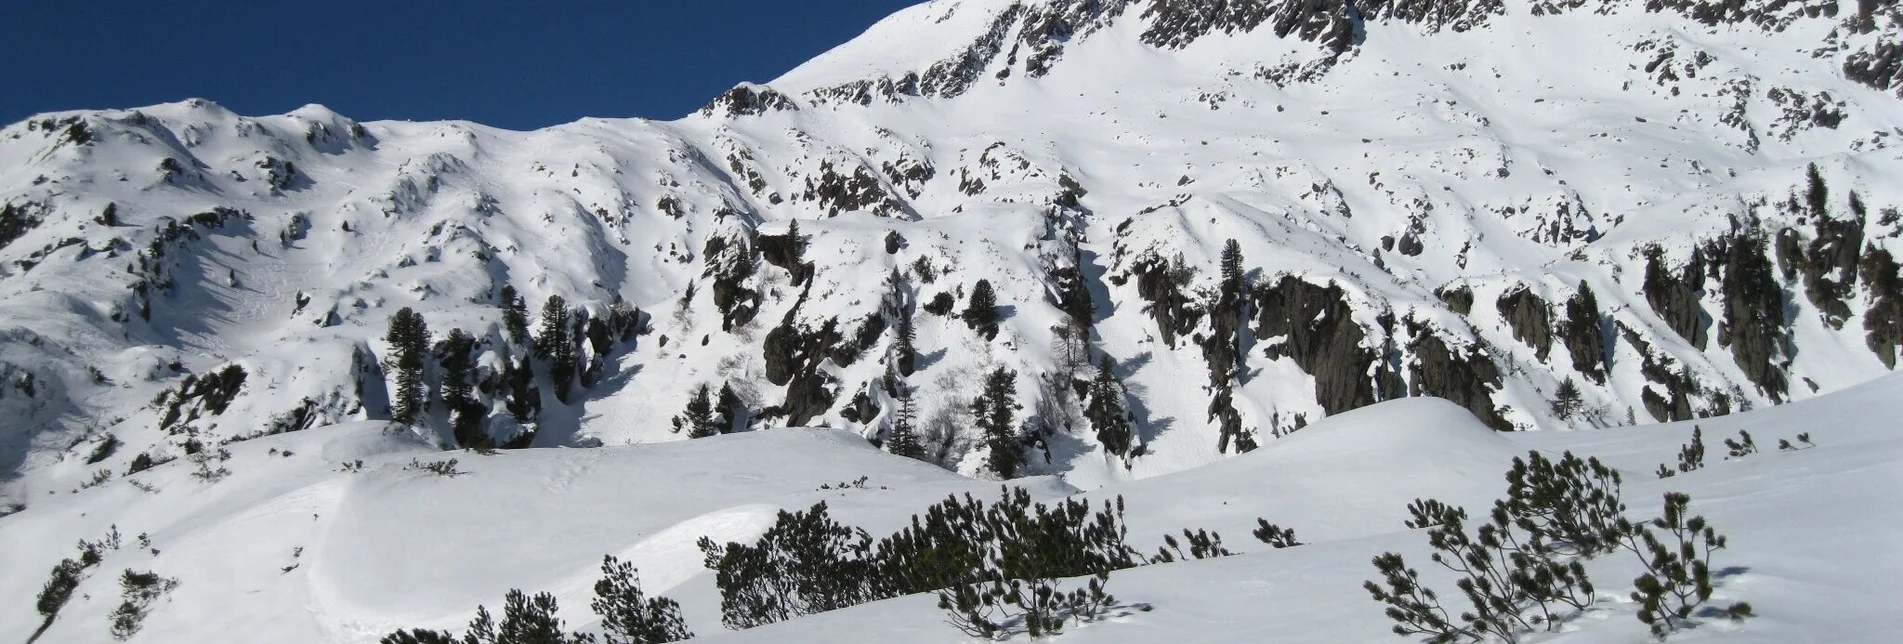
(1276, 536)
(1677, 577)
(629, 616)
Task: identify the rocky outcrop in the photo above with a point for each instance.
(1465, 377)
(1584, 335)
(16, 221)
(1883, 322)
(1530, 318)
(793, 357)
(1674, 295)
(731, 262)
(1754, 326)
(747, 99)
(1164, 285)
(1458, 298)
(1314, 326)
(1675, 403)
(837, 192)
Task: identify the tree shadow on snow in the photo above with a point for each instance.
(926, 360)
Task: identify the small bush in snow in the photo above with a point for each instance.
(1691, 456)
(1277, 536)
(1677, 577)
(445, 469)
(137, 592)
(1742, 447)
(1571, 505)
(629, 616)
(1203, 544)
(1785, 445)
(525, 620)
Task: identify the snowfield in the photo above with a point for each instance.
(1336, 256)
(389, 547)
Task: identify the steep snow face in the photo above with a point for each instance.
(1674, 210)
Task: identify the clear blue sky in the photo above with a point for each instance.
(516, 64)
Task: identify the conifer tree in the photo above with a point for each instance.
(994, 409)
(556, 342)
(903, 439)
(1077, 301)
(731, 410)
(697, 420)
(906, 357)
(465, 412)
(515, 316)
(1566, 400)
(1106, 411)
(408, 336)
(981, 311)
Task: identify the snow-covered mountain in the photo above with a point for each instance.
(1675, 209)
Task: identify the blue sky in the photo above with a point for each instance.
(518, 65)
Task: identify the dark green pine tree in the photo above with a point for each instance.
(981, 311)
(515, 316)
(465, 412)
(408, 336)
(993, 410)
(906, 353)
(902, 439)
(629, 616)
(1106, 411)
(1816, 194)
(697, 420)
(1077, 301)
(731, 410)
(1566, 400)
(556, 341)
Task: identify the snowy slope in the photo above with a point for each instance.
(389, 547)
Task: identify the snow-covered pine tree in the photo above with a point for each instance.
(408, 335)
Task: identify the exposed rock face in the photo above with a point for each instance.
(1673, 295)
(1883, 322)
(730, 263)
(1164, 285)
(1584, 334)
(793, 357)
(747, 99)
(1459, 298)
(1467, 378)
(1754, 325)
(1830, 266)
(15, 221)
(1530, 318)
(784, 251)
(1675, 403)
(1314, 326)
(837, 192)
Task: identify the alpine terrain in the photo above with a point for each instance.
(1166, 267)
